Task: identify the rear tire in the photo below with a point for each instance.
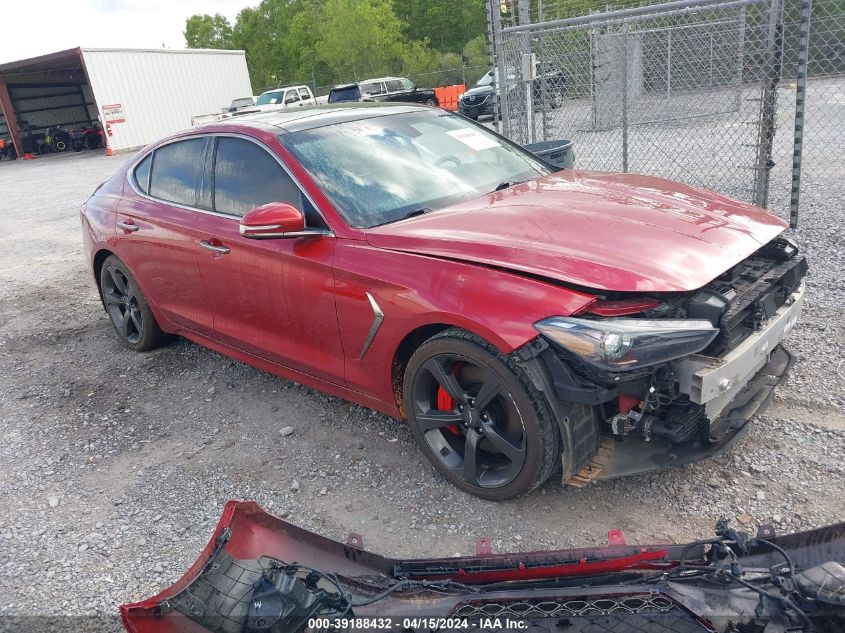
(127, 307)
(478, 418)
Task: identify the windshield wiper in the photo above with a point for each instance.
(507, 183)
(416, 212)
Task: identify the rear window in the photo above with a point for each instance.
(349, 93)
(176, 171)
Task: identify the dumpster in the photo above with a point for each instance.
(558, 153)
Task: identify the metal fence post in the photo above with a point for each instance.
(625, 99)
(497, 61)
(800, 98)
(668, 68)
(768, 103)
(740, 55)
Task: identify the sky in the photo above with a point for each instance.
(37, 27)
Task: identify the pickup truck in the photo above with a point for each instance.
(275, 99)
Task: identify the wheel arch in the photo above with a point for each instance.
(97, 266)
(403, 352)
(419, 335)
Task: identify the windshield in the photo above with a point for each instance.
(382, 169)
(269, 98)
(486, 80)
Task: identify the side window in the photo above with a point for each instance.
(407, 84)
(394, 85)
(372, 88)
(291, 96)
(142, 173)
(303, 92)
(246, 176)
(176, 171)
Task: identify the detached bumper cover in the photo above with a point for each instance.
(219, 591)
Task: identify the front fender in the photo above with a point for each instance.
(414, 291)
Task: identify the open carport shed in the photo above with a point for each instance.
(136, 95)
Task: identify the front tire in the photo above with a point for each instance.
(127, 307)
(478, 418)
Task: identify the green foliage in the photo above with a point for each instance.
(208, 31)
(476, 52)
(322, 42)
(446, 24)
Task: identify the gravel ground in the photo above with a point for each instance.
(114, 466)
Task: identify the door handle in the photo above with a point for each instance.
(214, 248)
(128, 225)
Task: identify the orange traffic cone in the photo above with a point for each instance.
(109, 151)
(28, 156)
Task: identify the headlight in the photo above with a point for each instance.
(620, 344)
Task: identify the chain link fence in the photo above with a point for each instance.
(746, 97)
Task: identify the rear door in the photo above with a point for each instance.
(272, 298)
(395, 91)
(157, 234)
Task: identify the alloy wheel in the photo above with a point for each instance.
(121, 298)
(469, 421)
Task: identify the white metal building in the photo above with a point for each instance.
(136, 95)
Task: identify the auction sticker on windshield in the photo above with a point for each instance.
(473, 139)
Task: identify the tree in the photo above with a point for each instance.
(476, 52)
(358, 38)
(297, 41)
(208, 31)
(447, 24)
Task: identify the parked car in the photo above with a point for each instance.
(409, 260)
(547, 89)
(481, 99)
(237, 104)
(383, 89)
(242, 102)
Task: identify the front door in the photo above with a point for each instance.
(271, 298)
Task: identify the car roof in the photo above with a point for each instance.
(365, 81)
(294, 120)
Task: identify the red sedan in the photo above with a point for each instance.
(522, 320)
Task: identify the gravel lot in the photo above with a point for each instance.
(114, 466)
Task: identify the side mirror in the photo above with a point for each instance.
(273, 220)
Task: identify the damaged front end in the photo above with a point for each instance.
(261, 574)
(645, 382)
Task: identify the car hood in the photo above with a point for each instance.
(619, 232)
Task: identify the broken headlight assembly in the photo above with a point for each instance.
(624, 344)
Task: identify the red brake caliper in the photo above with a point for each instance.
(445, 402)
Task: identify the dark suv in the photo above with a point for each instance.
(548, 88)
(383, 89)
